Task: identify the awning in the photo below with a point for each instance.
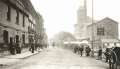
(110, 40)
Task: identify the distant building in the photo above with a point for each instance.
(82, 22)
(102, 31)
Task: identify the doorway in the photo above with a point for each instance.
(5, 36)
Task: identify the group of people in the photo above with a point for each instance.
(35, 47)
(89, 52)
(15, 47)
(107, 54)
(80, 50)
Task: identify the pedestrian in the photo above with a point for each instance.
(92, 53)
(88, 50)
(107, 54)
(12, 46)
(18, 47)
(100, 54)
(32, 47)
(75, 49)
(81, 50)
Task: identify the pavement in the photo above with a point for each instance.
(12, 59)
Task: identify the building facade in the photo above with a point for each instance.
(18, 21)
(105, 29)
(41, 36)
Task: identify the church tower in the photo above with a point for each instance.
(82, 12)
(82, 21)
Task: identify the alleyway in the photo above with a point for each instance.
(56, 58)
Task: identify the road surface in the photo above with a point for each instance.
(57, 58)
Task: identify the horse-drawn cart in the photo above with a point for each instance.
(114, 62)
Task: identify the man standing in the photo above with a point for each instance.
(12, 46)
(100, 54)
(107, 54)
(81, 50)
(32, 45)
(88, 50)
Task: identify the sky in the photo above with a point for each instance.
(61, 15)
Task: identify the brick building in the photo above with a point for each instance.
(103, 31)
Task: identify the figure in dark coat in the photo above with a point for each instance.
(32, 47)
(88, 50)
(75, 49)
(12, 47)
(18, 48)
(81, 50)
(100, 54)
(107, 54)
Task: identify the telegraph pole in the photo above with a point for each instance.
(92, 30)
(92, 23)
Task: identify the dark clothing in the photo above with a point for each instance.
(75, 50)
(81, 51)
(100, 54)
(18, 48)
(88, 50)
(107, 55)
(12, 49)
(32, 48)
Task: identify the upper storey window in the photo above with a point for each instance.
(9, 13)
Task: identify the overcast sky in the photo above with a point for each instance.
(61, 15)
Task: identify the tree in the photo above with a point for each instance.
(62, 37)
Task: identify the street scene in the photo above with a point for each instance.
(55, 58)
(59, 34)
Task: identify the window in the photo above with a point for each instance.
(100, 31)
(5, 36)
(9, 13)
(17, 18)
(23, 20)
(23, 38)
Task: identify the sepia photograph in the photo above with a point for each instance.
(59, 34)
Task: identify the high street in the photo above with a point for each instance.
(57, 58)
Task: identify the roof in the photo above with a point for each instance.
(110, 40)
(104, 20)
(108, 20)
